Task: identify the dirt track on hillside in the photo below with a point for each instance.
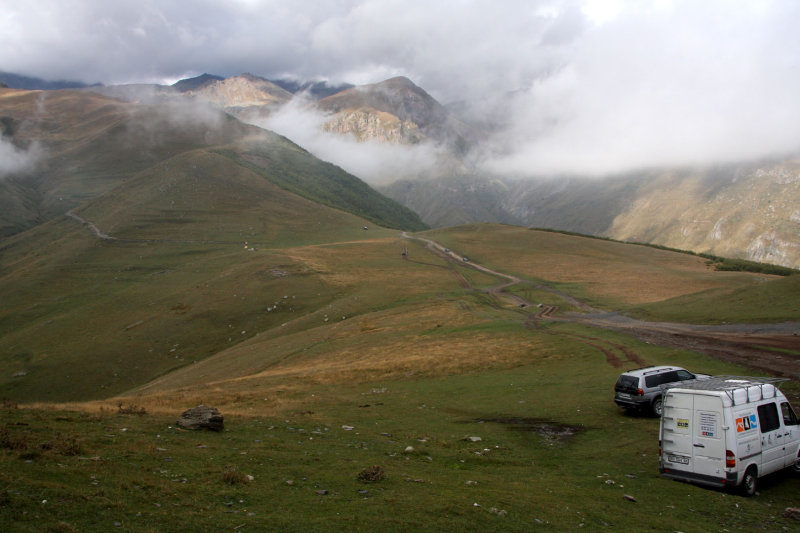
(757, 346)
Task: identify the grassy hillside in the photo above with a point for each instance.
(329, 359)
(86, 145)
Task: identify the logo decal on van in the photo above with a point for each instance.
(746, 423)
(683, 423)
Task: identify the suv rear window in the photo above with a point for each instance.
(627, 383)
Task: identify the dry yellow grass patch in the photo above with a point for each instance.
(428, 338)
(625, 273)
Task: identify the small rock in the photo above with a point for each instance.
(472, 483)
(322, 492)
(290, 482)
(792, 512)
(610, 482)
(348, 428)
(409, 449)
(473, 439)
(629, 497)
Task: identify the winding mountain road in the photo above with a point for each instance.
(770, 348)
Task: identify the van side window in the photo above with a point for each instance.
(768, 417)
(789, 418)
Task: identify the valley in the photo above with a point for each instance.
(168, 257)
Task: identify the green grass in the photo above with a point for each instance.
(397, 350)
(89, 471)
(769, 300)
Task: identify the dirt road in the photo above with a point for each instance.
(763, 347)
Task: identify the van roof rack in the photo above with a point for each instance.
(728, 384)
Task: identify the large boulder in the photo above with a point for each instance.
(201, 417)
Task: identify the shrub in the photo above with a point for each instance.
(232, 476)
(371, 474)
(131, 409)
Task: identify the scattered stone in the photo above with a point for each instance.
(409, 449)
(348, 428)
(201, 417)
(473, 439)
(792, 512)
(629, 497)
(610, 482)
(498, 512)
(322, 492)
(372, 474)
(290, 482)
(472, 483)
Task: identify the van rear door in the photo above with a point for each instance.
(676, 433)
(708, 436)
(693, 438)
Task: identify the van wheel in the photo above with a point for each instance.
(658, 406)
(749, 482)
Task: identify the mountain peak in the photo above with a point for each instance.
(198, 82)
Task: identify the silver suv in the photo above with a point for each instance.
(640, 389)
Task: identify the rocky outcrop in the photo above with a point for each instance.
(201, 417)
(245, 90)
(372, 125)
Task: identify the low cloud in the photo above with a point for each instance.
(14, 160)
(374, 162)
(598, 86)
(650, 88)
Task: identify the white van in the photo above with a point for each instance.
(727, 431)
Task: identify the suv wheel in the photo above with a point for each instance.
(657, 406)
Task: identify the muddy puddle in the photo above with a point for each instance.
(553, 432)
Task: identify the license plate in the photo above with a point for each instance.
(623, 396)
(678, 459)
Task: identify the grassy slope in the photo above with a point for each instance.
(402, 353)
(90, 144)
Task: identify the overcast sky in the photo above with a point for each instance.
(601, 85)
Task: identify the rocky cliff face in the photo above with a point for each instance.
(751, 213)
(241, 91)
(366, 111)
(369, 124)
